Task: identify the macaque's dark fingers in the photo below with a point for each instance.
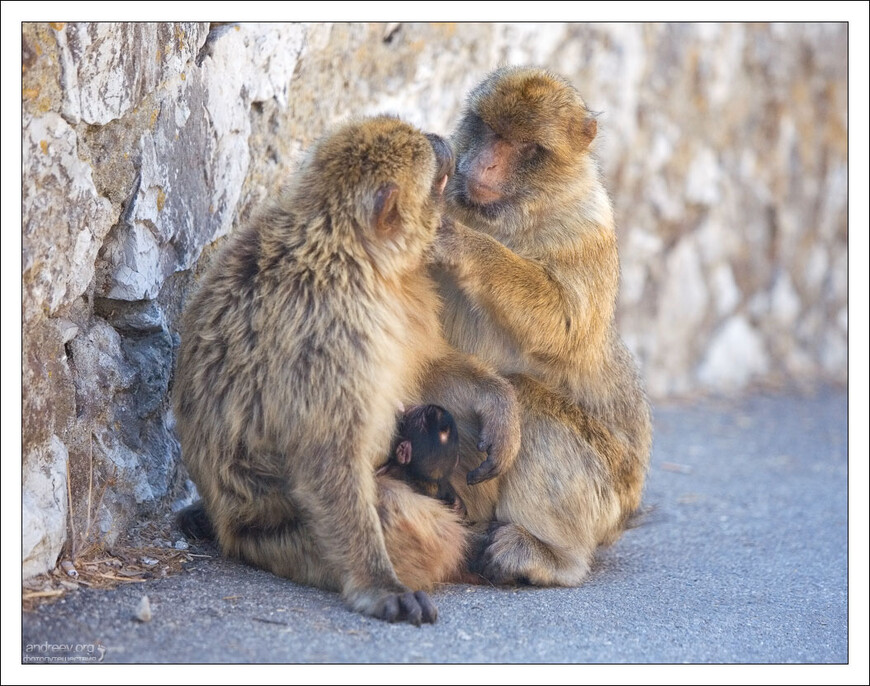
(488, 469)
(430, 612)
(390, 609)
(493, 572)
(487, 564)
(411, 609)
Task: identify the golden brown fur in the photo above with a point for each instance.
(428, 542)
(529, 276)
(311, 328)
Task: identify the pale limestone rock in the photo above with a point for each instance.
(722, 66)
(785, 303)
(736, 355)
(44, 507)
(835, 354)
(660, 153)
(758, 306)
(176, 210)
(627, 67)
(633, 283)
(834, 198)
(685, 296)
(532, 43)
(644, 244)
(64, 218)
(718, 241)
(642, 249)
(799, 363)
(67, 330)
(684, 304)
(839, 274)
(273, 52)
(99, 364)
(109, 68)
(702, 179)
(724, 289)
(660, 195)
(816, 268)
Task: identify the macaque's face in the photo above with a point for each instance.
(429, 442)
(517, 142)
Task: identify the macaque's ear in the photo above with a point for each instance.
(588, 128)
(403, 452)
(386, 218)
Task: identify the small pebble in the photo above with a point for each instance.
(181, 545)
(143, 611)
(149, 561)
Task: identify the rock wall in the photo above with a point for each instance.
(723, 146)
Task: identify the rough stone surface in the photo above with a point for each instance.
(735, 355)
(102, 74)
(44, 508)
(65, 220)
(723, 147)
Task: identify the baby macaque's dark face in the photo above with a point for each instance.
(428, 443)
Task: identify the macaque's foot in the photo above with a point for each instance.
(512, 555)
(414, 607)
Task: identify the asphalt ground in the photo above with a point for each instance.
(741, 558)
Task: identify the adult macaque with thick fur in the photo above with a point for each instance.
(314, 323)
(529, 275)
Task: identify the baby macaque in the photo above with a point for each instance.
(425, 452)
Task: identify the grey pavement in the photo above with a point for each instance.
(742, 559)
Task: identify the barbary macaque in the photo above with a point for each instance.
(312, 325)
(528, 269)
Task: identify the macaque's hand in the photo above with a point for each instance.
(499, 439)
(446, 249)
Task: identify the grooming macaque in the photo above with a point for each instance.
(314, 323)
(425, 453)
(528, 271)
